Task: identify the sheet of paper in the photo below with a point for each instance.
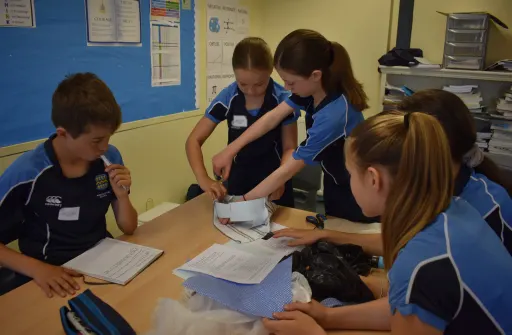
(271, 246)
(113, 22)
(165, 54)
(114, 261)
(243, 211)
(227, 24)
(165, 43)
(17, 13)
(234, 265)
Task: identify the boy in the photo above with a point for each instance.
(53, 199)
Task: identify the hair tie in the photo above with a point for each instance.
(406, 120)
(474, 157)
(331, 53)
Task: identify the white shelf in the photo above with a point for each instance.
(447, 73)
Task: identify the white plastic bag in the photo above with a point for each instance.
(301, 291)
(202, 316)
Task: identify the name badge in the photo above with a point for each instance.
(239, 121)
(69, 214)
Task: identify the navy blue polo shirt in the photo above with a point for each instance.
(455, 275)
(327, 127)
(490, 199)
(221, 105)
(54, 218)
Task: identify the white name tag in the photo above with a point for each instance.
(69, 214)
(239, 121)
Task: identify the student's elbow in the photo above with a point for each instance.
(130, 230)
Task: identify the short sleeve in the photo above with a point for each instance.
(326, 129)
(292, 118)
(431, 291)
(217, 111)
(298, 102)
(14, 192)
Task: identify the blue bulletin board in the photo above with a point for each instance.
(34, 60)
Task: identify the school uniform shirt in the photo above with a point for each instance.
(490, 199)
(327, 126)
(455, 275)
(260, 158)
(55, 218)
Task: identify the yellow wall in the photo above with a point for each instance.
(361, 26)
(429, 27)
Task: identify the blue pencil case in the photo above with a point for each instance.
(89, 315)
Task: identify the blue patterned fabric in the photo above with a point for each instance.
(261, 300)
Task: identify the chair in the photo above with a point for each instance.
(306, 184)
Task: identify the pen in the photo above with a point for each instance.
(108, 163)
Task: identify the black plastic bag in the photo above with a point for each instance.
(329, 272)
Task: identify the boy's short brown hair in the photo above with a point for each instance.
(82, 100)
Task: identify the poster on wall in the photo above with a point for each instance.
(227, 24)
(165, 42)
(17, 13)
(113, 22)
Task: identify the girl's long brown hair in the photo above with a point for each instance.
(303, 51)
(415, 152)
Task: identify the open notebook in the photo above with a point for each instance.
(114, 261)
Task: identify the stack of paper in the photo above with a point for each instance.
(501, 123)
(425, 64)
(238, 266)
(502, 65)
(504, 106)
(394, 95)
(469, 94)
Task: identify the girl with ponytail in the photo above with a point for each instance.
(447, 270)
(319, 75)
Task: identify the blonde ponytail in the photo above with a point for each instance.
(415, 151)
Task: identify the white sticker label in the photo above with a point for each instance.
(69, 214)
(239, 121)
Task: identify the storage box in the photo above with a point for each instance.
(466, 39)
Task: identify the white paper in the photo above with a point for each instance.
(114, 261)
(113, 22)
(234, 265)
(255, 247)
(165, 42)
(17, 13)
(243, 211)
(165, 54)
(227, 24)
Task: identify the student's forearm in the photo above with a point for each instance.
(287, 155)
(266, 123)
(275, 179)
(371, 243)
(373, 315)
(126, 215)
(196, 160)
(18, 262)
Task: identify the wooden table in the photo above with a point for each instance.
(182, 233)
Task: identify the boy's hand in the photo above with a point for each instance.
(293, 323)
(213, 188)
(301, 236)
(56, 279)
(120, 179)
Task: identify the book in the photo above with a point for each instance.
(114, 261)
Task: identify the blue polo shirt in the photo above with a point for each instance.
(55, 218)
(327, 126)
(455, 275)
(491, 200)
(223, 103)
